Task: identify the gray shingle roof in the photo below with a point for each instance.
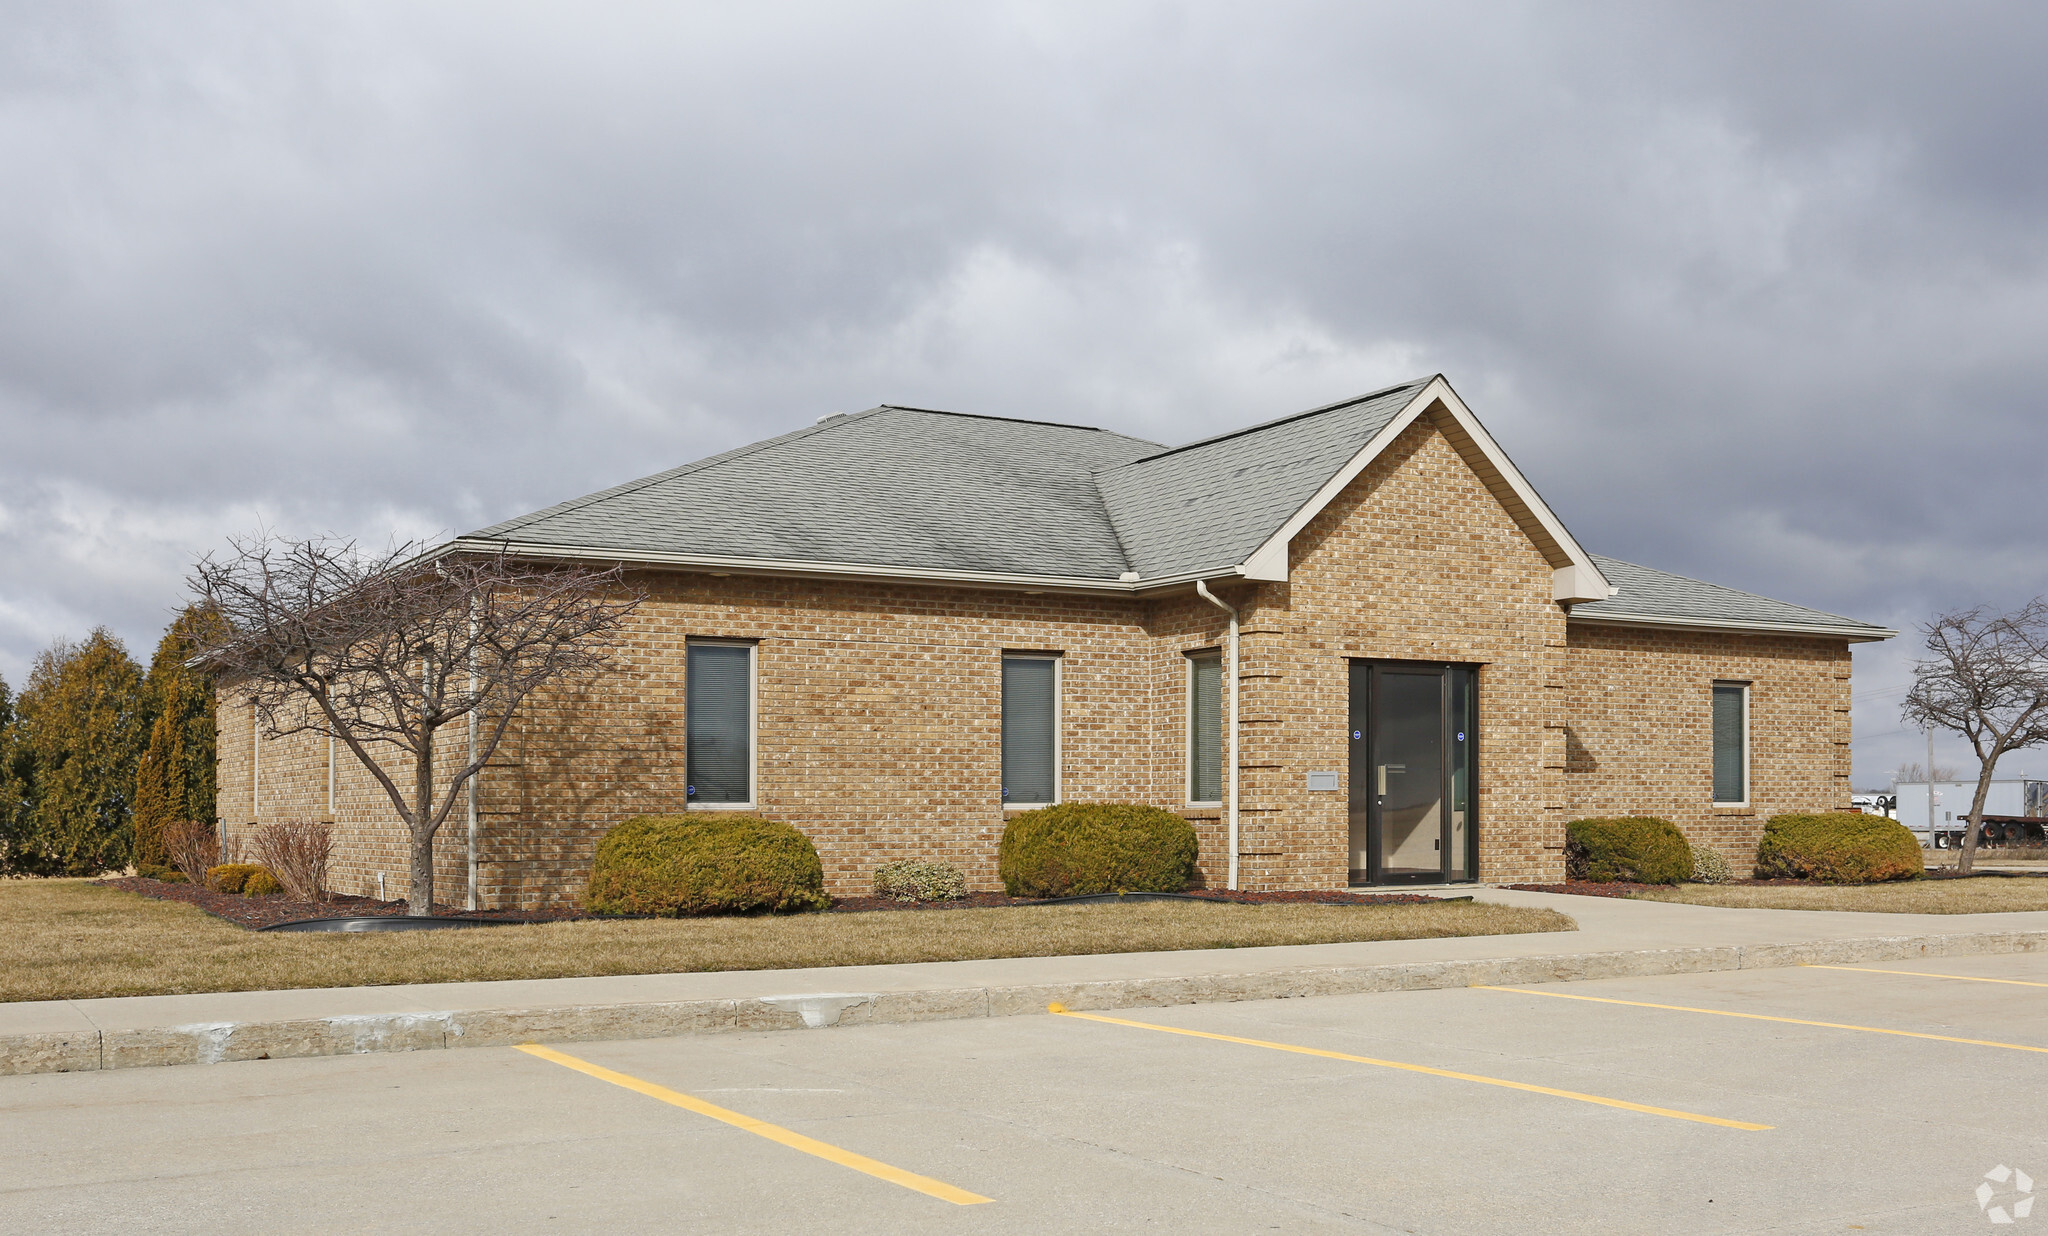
(1208, 505)
(899, 487)
(1647, 593)
(958, 495)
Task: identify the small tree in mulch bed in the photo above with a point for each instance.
(383, 651)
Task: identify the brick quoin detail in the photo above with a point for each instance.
(879, 711)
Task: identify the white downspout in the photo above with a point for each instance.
(1230, 745)
(470, 790)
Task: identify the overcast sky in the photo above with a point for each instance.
(1756, 293)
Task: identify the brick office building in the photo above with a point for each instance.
(897, 627)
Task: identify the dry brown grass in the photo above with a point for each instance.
(1980, 896)
(67, 939)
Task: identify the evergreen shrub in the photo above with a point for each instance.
(1708, 867)
(261, 883)
(1077, 848)
(1639, 849)
(919, 879)
(705, 862)
(156, 871)
(231, 877)
(1838, 847)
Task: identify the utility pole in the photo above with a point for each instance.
(1930, 789)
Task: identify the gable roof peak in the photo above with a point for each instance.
(1414, 384)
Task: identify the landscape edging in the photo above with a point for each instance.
(221, 1042)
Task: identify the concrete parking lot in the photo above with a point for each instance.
(1640, 1108)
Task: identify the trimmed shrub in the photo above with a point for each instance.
(919, 879)
(154, 871)
(1708, 867)
(1838, 847)
(706, 862)
(296, 852)
(231, 877)
(1639, 849)
(261, 883)
(1077, 848)
(194, 848)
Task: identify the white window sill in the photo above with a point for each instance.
(718, 806)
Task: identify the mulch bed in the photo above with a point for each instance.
(978, 901)
(1623, 888)
(255, 912)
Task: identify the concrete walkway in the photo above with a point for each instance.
(1616, 938)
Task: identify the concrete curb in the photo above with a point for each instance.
(218, 1042)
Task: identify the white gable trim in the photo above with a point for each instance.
(1575, 578)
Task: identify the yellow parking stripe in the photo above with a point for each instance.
(1790, 1021)
(1964, 978)
(761, 1128)
(1063, 1011)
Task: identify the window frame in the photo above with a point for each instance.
(1192, 656)
(1059, 684)
(1748, 789)
(753, 648)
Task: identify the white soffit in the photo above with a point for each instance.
(1575, 578)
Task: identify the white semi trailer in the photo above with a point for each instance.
(2013, 810)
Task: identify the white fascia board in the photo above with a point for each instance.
(1577, 576)
(794, 568)
(1575, 583)
(1854, 635)
(1269, 560)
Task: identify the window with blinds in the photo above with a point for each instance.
(1731, 742)
(718, 724)
(1030, 730)
(1205, 728)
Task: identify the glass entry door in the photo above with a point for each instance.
(1413, 754)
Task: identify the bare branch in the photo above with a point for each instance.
(383, 650)
(1986, 678)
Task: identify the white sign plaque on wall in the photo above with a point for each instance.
(1323, 781)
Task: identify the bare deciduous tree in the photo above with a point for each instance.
(1911, 773)
(381, 651)
(1986, 678)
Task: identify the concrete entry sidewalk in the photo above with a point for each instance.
(1617, 938)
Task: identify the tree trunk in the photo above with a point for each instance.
(420, 897)
(1966, 858)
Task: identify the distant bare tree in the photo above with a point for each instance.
(382, 651)
(1911, 773)
(1986, 678)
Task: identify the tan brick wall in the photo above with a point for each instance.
(1414, 561)
(1640, 734)
(879, 710)
(287, 779)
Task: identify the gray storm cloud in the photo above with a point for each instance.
(1754, 293)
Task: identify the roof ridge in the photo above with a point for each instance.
(1015, 420)
(620, 490)
(1416, 383)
